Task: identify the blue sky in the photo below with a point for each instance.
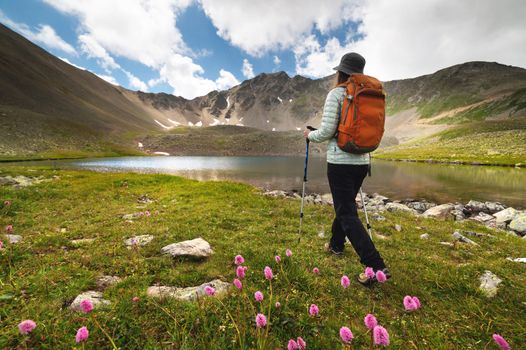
(190, 47)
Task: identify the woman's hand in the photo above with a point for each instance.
(306, 133)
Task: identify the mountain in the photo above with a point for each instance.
(49, 108)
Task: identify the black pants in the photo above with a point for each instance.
(345, 181)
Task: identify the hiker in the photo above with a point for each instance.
(346, 172)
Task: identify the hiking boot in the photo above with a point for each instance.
(331, 250)
(366, 281)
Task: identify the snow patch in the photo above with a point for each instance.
(162, 153)
(273, 129)
(190, 124)
(162, 125)
(298, 128)
(174, 122)
(268, 121)
(239, 124)
(216, 122)
(280, 100)
(140, 145)
(199, 123)
(290, 100)
(227, 102)
(241, 119)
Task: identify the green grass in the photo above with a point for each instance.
(500, 142)
(41, 275)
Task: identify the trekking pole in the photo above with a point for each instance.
(307, 143)
(366, 216)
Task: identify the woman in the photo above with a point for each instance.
(346, 173)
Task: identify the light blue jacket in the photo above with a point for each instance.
(327, 130)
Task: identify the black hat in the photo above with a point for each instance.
(351, 63)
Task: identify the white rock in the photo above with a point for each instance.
(95, 298)
(400, 207)
(447, 244)
(505, 215)
(521, 260)
(327, 198)
(189, 293)
(461, 238)
(141, 240)
(13, 239)
(105, 281)
(482, 217)
(518, 224)
(424, 236)
(439, 212)
(489, 283)
(198, 248)
(82, 241)
(398, 228)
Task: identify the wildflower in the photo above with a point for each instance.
(292, 345)
(1, 245)
(258, 296)
(501, 342)
(26, 326)
(261, 321)
(210, 290)
(346, 335)
(240, 272)
(86, 306)
(157, 212)
(238, 284)
(417, 302)
(369, 272)
(277, 258)
(380, 276)
(370, 321)
(7, 203)
(288, 253)
(345, 281)
(410, 304)
(316, 270)
(9, 229)
(277, 305)
(135, 299)
(147, 213)
(82, 335)
(239, 260)
(380, 335)
(302, 345)
(268, 273)
(313, 310)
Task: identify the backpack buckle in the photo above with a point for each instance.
(350, 97)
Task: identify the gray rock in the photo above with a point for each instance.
(476, 206)
(133, 215)
(276, 193)
(421, 206)
(13, 239)
(141, 240)
(378, 217)
(21, 180)
(505, 215)
(94, 296)
(198, 248)
(489, 284)
(442, 211)
(458, 215)
(82, 241)
(379, 197)
(484, 218)
(424, 236)
(398, 227)
(189, 293)
(518, 224)
(461, 238)
(519, 260)
(447, 244)
(7, 181)
(399, 207)
(105, 281)
(493, 207)
(327, 198)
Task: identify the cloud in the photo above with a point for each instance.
(316, 61)
(247, 69)
(276, 60)
(226, 80)
(108, 78)
(44, 34)
(71, 63)
(135, 83)
(93, 49)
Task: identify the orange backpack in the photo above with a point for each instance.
(362, 118)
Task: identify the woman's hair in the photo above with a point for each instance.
(341, 78)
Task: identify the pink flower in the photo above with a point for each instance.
(261, 321)
(9, 229)
(82, 335)
(316, 270)
(1, 245)
(135, 299)
(301, 343)
(288, 253)
(345, 281)
(258, 296)
(292, 345)
(369, 272)
(370, 321)
(268, 273)
(238, 284)
(346, 335)
(277, 305)
(501, 342)
(210, 290)
(147, 213)
(86, 306)
(277, 258)
(26, 326)
(7, 203)
(239, 260)
(380, 276)
(410, 304)
(313, 310)
(417, 302)
(380, 336)
(240, 272)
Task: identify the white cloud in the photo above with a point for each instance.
(93, 49)
(247, 69)
(316, 61)
(276, 60)
(108, 78)
(135, 83)
(226, 80)
(44, 34)
(71, 63)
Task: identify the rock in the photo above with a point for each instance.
(198, 248)
(493, 207)
(399, 207)
(321, 234)
(421, 206)
(461, 238)
(458, 215)
(521, 260)
(189, 293)
(518, 224)
(485, 219)
(327, 198)
(442, 211)
(7, 181)
(104, 282)
(21, 180)
(505, 215)
(276, 193)
(82, 241)
(489, 284)
(424, 236)
(141, 240)
(144, 199)
(133, 215)
(398, 228)
(94, 296)
(378, 217)
(475, 206)
(13, 239)
(447, 244)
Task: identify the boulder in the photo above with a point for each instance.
(327, 198)
(141, 240)
(189, 293)
(424, 236)
(518, 224)
(420, 206)
(198, 248)
(442, 211)
(276, 193)
(106, 281)
(489, 284)
(520, 260)
(13, 239)
(378, 217)
(399, 207)
(461, 238)
(505, 215)
(458, 215)
(94, 296)
(484, 218)
(475, 206)
(493, 207)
